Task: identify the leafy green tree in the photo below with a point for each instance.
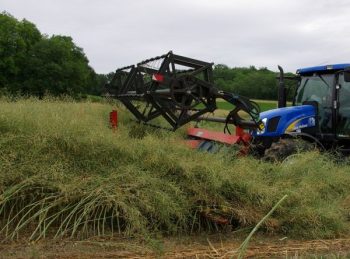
(98, 83)
(251, 82)
(58, 67)
(16, 41)
(33, 64)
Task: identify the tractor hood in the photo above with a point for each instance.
(280, 121)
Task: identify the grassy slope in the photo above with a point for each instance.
(64, 172)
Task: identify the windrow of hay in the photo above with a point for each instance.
(63, 172)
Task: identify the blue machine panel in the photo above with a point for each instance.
(290, 119)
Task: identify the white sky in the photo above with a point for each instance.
(264, 33)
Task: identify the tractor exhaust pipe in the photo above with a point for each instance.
(282, 98)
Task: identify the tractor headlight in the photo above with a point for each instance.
(262, 126)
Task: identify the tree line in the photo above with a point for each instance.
(32, 63)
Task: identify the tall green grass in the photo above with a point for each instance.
(64, 172)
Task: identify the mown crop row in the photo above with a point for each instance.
(64, 172)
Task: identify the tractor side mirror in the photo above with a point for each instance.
(347, 74)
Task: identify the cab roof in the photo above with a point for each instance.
(323, 68)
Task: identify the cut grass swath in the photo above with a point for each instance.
(64, 173)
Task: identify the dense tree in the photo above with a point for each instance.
(251, 82)
(16, 41)
(57, 66)
(31, 63)
(99, 83)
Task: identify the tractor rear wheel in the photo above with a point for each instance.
(283, 148)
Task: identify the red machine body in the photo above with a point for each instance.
(198, 135)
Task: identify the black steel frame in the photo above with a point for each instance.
(183, 92)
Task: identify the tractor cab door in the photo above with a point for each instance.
(343, 111)
(318, 88)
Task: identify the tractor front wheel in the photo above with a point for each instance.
(283, 148)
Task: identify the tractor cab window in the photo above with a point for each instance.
(343, 118)
(317, 88)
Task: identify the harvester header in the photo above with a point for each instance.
(179, 89)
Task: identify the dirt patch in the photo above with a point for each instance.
(336, 247)
(195, 248)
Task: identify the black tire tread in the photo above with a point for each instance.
(283, 148)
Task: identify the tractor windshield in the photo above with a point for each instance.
(317, 88)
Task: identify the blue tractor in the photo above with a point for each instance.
(320, 112)
(181, 90)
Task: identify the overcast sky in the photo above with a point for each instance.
(115, 33)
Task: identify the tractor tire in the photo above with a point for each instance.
(283, 148)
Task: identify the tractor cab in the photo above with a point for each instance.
(329, 89)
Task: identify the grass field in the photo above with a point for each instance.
(64, 172)
(263, 104)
